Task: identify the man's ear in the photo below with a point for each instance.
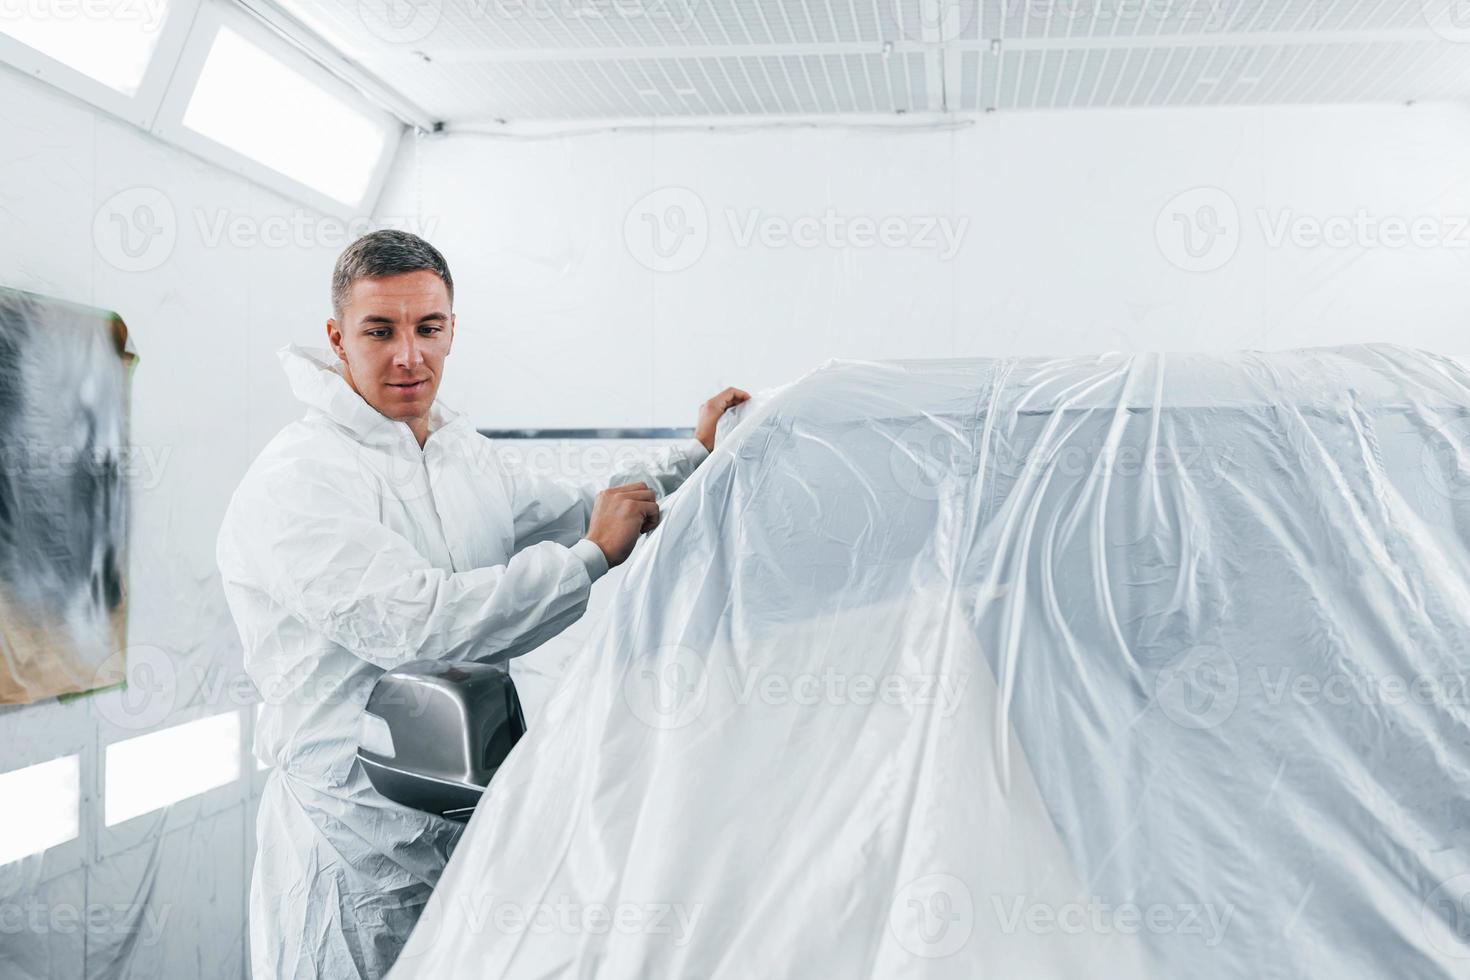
(334, 337)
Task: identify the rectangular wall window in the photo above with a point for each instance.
(41, 807)
(260, 765)
(161, 768)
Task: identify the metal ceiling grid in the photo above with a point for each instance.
(478, 61)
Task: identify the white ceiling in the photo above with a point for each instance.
(476, 61)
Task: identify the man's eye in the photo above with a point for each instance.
(378, 333)
(430, 329)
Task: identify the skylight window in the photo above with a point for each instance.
(110, 41)
(253, 103)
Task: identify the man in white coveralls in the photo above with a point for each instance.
(379, 529)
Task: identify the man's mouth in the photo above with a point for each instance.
(408, 387)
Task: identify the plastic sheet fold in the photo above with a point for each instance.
(1126, 666)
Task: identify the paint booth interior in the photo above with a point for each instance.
(1100, 350)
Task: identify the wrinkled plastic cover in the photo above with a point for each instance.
(1126, 666)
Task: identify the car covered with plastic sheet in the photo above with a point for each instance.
(1123, 666)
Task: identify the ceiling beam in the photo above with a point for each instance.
(1253, 39)
(928, 46)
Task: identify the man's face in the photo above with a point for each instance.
(393, 335)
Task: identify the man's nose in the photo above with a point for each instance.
(407, 353)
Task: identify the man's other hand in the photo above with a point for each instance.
(618, 517)
(710, 412)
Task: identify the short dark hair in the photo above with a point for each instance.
(387, 252)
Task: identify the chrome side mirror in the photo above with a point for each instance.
(434, 733)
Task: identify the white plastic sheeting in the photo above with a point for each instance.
(1135, 666)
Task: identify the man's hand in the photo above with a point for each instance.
(710, 412)
(618, 517)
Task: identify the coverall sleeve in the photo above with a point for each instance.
(558, 510)
(312, 540)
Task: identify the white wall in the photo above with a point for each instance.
(205, 315)
(562, 322)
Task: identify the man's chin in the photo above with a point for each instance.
(403, 409)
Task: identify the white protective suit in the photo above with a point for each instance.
(348, 550)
